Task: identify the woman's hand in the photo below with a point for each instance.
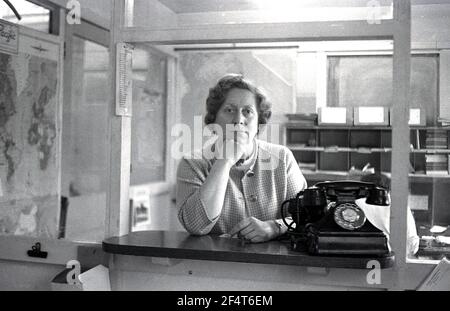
(255, 230)
(232, 150)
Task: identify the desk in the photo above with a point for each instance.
(161, 260)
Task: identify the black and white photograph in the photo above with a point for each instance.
(231, 153)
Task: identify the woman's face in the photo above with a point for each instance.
(239, 109)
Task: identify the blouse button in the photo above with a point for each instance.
(253, 198)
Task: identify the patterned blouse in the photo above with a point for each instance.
(259, 191)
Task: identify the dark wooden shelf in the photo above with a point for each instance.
(182, 245)
(431, 151)
(295, 147)
(294, 125)
(340, 175)
(339, 148)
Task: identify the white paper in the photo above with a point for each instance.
(96, 279)
(371, 114)
(376, 214)
(438, 229)
(334, 115)
(438, 279)
(414, 116)
(379, 216)
(443, 239)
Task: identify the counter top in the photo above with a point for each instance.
(181, 245)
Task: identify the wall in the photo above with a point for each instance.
(98, 11)
(430, 31)
(431, 24)
(163, 213)
(374, 84)
(25, 276)
(271, 70)
(151, 273)
(18, 271)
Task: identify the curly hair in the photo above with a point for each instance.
(379, 179)
(218, 93)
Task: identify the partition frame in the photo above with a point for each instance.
(405, 274)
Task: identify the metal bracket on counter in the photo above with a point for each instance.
(36, 251)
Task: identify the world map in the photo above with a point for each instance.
(29, 132)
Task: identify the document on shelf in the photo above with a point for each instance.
(438, 279)
(96, 279)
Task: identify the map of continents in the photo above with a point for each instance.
(28, 146)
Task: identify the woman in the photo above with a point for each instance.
(239, 189)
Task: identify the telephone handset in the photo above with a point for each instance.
(327, 218)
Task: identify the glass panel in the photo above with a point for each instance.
(150, 202)
(173, 14)
(148, 140)
(84, 147)
(374, 88)
(429, 183)
(32, 15)
(358, 150)
(429, 136)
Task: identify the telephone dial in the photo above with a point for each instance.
(327, 221)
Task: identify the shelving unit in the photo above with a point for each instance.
(329, 152)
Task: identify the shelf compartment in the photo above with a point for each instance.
(301, 147)
(334, 161)
(358, 161)
(365, 139)
(305, 137)
(308, 158)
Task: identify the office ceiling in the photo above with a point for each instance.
(197, 6)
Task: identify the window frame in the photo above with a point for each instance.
(54, 16)
(405, 274)
(60, 251)
(442, 72)
(398, 29)
(99, 35)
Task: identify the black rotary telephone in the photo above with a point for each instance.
(327, 221)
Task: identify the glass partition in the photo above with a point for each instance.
(287, 71)
(429, 119)
(151, 188)
(85, 143)
(327, 146)
(176, 14)
(148, 143)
